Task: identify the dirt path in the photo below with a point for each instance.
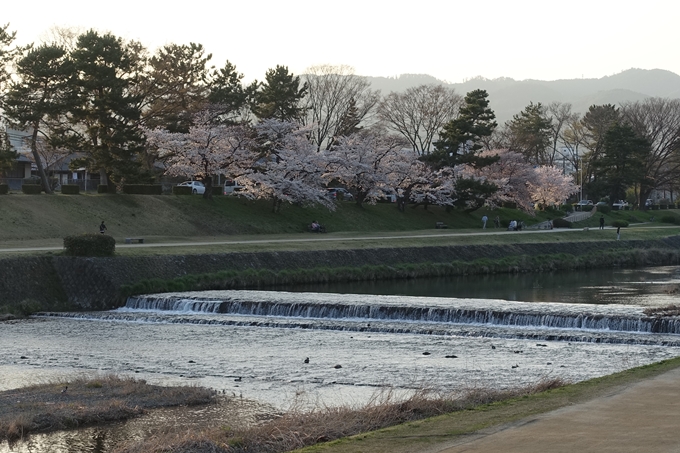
(643, 417)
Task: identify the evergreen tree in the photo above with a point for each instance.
(529, 133)
(475, 121)
(176, 87)
(460, 143)
(37, 100)
(107, 108)
(280, 95)
(622, 163)
(228, 97)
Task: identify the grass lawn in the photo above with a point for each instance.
(43, 221)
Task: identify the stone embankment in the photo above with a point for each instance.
(94, 283)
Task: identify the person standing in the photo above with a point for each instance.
(618, 233)
(102, 228)
(484, 220)
(602, 222)
(497, 222)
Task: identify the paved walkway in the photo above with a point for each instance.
(644, 417)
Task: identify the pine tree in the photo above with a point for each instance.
(280, 95)
(107, 108)
(36, 100)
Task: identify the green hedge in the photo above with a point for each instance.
(31, 189)
(669, 219)
(4, 189)
(604, 209)
(181, 190)
(89, 244)
(70, 189)
(143, 189)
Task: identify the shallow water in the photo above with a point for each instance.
(257, 358)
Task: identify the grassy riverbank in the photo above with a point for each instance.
(388, 425)
(34, 220)
(81, 402)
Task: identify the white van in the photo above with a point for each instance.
(231, 186)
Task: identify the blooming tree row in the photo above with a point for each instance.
(276, 160)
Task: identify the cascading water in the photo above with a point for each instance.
(407, 310)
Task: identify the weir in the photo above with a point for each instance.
(317, 306)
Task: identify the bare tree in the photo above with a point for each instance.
(419, 113)
(334, 94)
(657, 120)
(561, 116)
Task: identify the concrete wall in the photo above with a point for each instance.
(93, 283)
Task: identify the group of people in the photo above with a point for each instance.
(496, 222)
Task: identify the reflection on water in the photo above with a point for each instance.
(232, 412)
(645, 286)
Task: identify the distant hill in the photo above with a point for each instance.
(508, 96)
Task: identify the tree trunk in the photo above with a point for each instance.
(207, 182)
(38, 161)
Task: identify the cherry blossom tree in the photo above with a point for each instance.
(205, 150)
(522, 183)
(550, 186)
(289, 169)
(363, 162)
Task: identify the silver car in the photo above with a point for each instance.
(197, 187)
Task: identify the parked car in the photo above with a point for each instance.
(231, 187)
(621, 204)
(338, 193)
(583, 204)
(197, 187)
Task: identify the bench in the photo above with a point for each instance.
(137, 240)
(440, 225)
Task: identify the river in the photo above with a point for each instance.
(252, 346)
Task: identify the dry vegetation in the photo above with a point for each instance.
(80, 402)
(300, 428)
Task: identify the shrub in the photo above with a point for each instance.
(70, 189)
(181, 190)
(561, 223)
(89, 244)
(567, 208)
(604, 209)
(669, 219)
(103, 188)
(619, 223)
(32, 189)
(587, 208)
(4, 189)
(143, 189)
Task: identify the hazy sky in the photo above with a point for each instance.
(451, 40)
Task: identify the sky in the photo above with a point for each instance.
(452, 40)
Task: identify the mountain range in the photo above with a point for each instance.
(508, 97)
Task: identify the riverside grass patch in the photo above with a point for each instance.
(267, 278)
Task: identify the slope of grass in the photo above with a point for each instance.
(24, 217)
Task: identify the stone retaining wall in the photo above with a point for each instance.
(93, 283)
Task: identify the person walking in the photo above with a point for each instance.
(484, 220)
(102, 228)
(497, 222)
(618, 233)
(602, 222)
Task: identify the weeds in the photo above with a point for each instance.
(300, 428)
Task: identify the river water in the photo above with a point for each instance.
(341, 344)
